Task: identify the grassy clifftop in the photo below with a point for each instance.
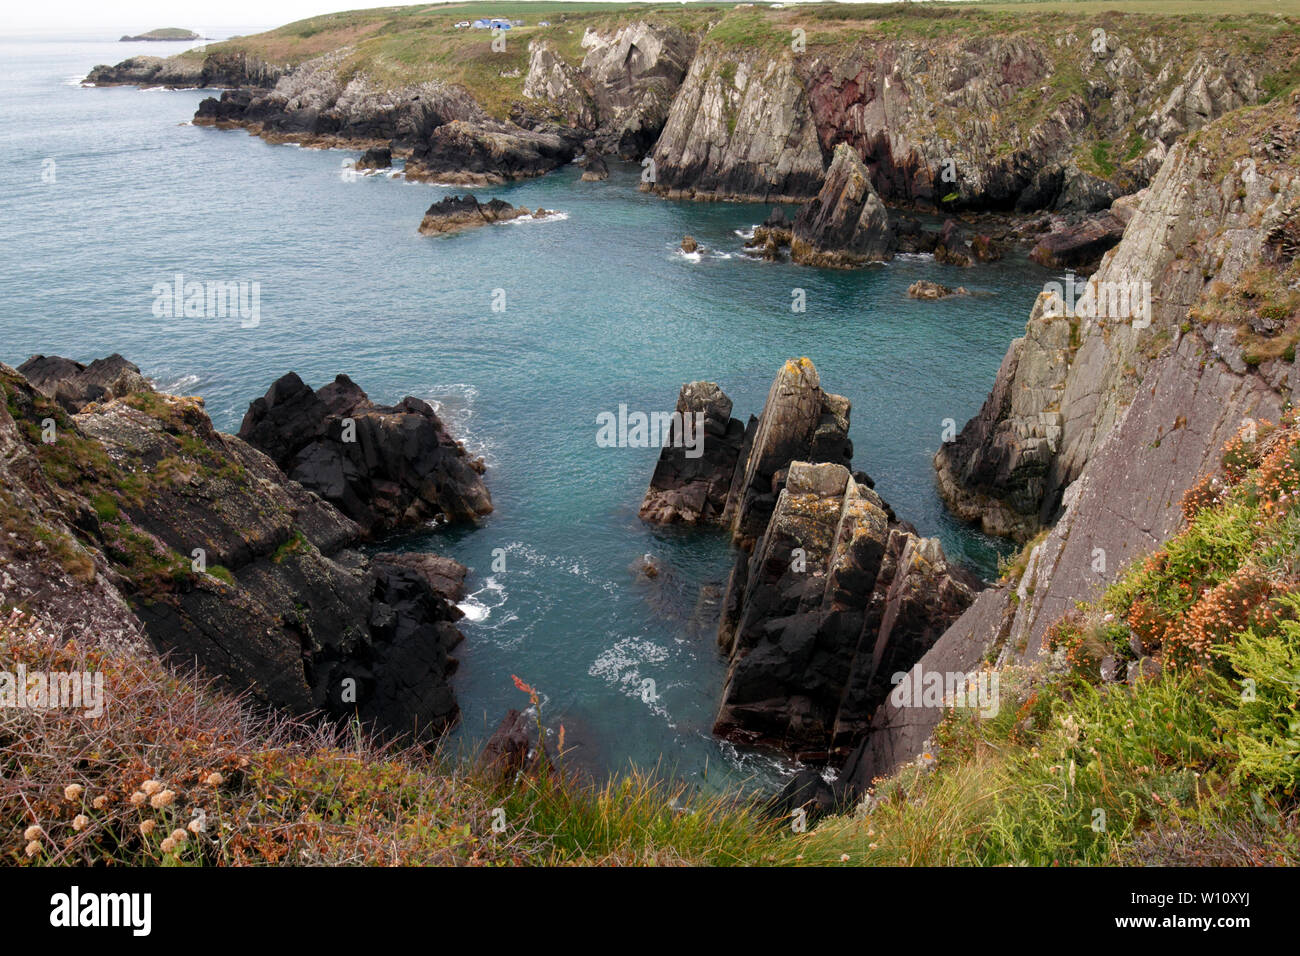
(401, 45)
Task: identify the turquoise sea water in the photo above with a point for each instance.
(601, 309)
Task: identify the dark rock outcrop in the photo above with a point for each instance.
(457, 213)
(951, 247)
(594, 168)
(377, 157)
(846, 225)
(924, 289)
(835, 598)
(385, 467)
(690, 485)
(313, 104)
(209, 551)
(830, 594)
(799, 422)
(486, 152)
(771, 236)
(1080, 246)
(74, 385)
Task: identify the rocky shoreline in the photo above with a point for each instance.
(153, 529)
(710, 121)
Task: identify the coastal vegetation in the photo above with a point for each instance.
(1191, 759)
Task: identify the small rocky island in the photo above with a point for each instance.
(163, 35)
(458, 213)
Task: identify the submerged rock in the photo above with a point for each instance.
(924, 289)
(846, 225)
(385, 467)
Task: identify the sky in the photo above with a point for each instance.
(83, 18)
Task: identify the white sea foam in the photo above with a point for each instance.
(571, 566)
(478, 607)
(454, 404)
(691, 256)
(621, 666)
(745, 233)
(181, 385)
(549, 217)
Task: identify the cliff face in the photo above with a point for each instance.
(1048, 113)
(846, 224)
(740, 128)
(836, 597)
(1063, 386)
(977, 122)
(1144, 410)
(187, 70)
(634, 73)
(169, 532)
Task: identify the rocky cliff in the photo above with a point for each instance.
(845, 224)
(385, 467)
(1103, 423)
(315, 103)
(1201, 226)
(740, 128)
(228, 68)
(972, 120)
(1046, 113)
(159, 529)
(830, 593)
(835, 598)
(623, 88)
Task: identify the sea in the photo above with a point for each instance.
(521, 335)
